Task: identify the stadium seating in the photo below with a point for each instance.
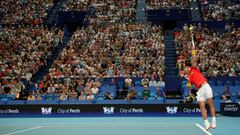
(76, 102)
(217, 91)
(229, 83)
(111, 47)
(219, 83)
(56, 96)
(237, 83)
(139, 101)
(42, 102)
(235, 91)
(16, 102)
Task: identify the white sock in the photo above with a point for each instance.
(213, 118)
(206, 121)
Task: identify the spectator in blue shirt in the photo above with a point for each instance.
(159, 93)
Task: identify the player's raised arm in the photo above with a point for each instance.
(194, 61)
(193, 51)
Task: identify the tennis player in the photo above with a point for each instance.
(204, 93)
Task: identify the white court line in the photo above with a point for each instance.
(203, 129)
(124, 125)
(96, 124)
(20, 131)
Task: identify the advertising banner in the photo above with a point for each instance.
(230, 109)
(100, 110)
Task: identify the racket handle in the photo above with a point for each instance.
(193, 52)
(189, 84)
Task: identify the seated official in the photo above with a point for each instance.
(226, 95)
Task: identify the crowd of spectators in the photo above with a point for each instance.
(113, 11)
(11, 88)
(24, 49)
(76, 88)
(218, 53)
(118, 50)
(166, 4)
(113, 51)
(75, 5)
(24, 11)
(220, 10)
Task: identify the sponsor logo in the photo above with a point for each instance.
(191, 110)
(171, 110)
(68, 111)
(131, 110)
(108, 110)
(9, 111)
(47, 110)
(231, 108)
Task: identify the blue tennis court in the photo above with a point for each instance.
(117, 126)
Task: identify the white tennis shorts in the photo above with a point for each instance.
(204, 93)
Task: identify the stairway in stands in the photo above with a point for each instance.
(195, 11)
(51, 18)
(140, 12)
(44, 70)
(170, 54)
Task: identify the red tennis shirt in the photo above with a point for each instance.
(196, 77)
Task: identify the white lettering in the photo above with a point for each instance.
(9, 111)
(131, 110)
(193, 110)
(231, 109)
(68, 111)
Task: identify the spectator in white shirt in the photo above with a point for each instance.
(95, 89)
(90, 96)
(161, 83)
(128, 81)
(153, 82)
(51, 89)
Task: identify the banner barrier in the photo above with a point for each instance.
(230, 109)
(100, 110)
